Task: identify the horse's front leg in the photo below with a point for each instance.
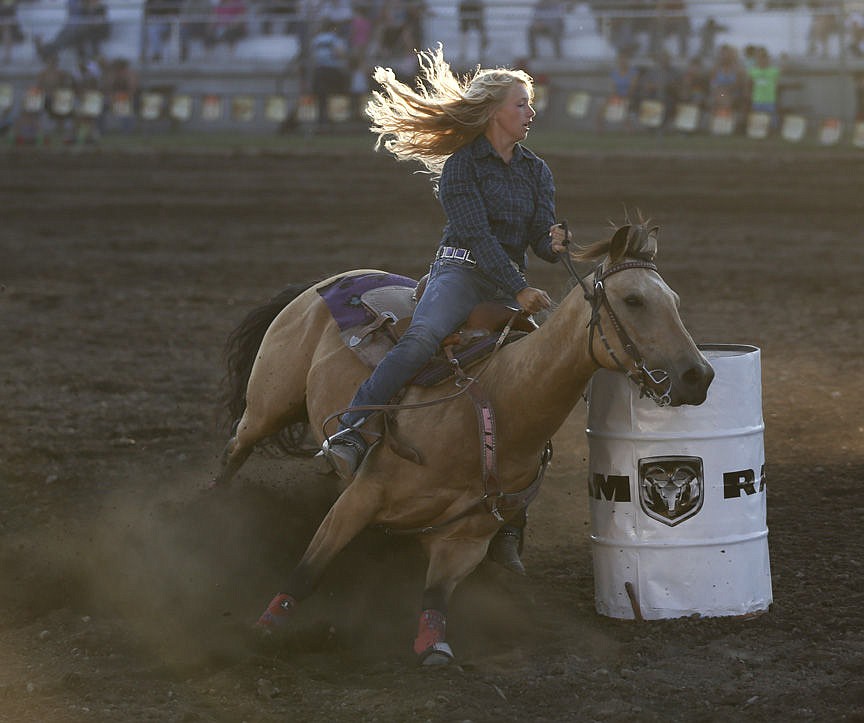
(355, 510)
(451, 560)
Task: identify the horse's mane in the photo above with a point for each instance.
(641, 242)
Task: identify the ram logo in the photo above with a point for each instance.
(671, 489)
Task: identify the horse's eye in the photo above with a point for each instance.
(633, 300)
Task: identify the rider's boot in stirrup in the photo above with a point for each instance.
(506, 546)
(345, 451)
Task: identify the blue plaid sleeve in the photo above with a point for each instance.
(544, 216)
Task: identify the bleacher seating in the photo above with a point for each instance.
(585, 38)
(261, 63)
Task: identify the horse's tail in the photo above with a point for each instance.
(242, 346)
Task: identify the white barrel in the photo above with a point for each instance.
(677, 496)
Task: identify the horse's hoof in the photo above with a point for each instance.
(436, 654)
(275, 617)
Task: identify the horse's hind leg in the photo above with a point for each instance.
(450, 562)
(355, 510)
(232, 459)
(275, 398)
(250, 430)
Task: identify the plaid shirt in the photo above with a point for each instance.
(497, 209)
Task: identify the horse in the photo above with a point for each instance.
(291, 366)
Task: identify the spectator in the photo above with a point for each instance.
(99, 27)
(360, 34)
(694, 85)
(359, 45)
(622, 89)
(672, 20)
(749, 59)
(728, 83)
(283, 13)
(195, 19)
(471, 17)
(825, 21)
(415, 13)
(329, 68)
(120, 84)
(623, 27)
(708, 33)
(661, 82)
(859, 97)
(764, 78)
(547, 21)
(88, 127)
(391, 25)
(228, 25)
(52, 81)
(10, 30)
(159, 18)
(401, 29)
(337, 13)
(855, 29)
(85, 29)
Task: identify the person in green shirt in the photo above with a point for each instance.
(764, 78)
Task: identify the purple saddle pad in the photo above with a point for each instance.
(342, 296)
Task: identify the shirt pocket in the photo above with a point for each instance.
(508, 198)
(496, 196)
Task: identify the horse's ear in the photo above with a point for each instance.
(618, 244)
(653, 241)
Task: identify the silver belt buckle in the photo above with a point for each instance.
(456, 254)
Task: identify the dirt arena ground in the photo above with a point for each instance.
(127, 590)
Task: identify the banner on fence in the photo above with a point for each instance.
(687, 117)
(651, 113)
(793, 129)
(156, 104)
(830, 132)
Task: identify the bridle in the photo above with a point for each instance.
(655, 384)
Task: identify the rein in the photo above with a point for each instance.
(647, 380)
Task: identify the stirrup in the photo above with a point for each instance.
(504, 549)
(345, 451)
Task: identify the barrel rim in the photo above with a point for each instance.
(743, 348)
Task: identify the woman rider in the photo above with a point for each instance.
(498, 197)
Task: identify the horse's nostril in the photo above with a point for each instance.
(697, 376)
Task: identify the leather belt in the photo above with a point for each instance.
(456, 254)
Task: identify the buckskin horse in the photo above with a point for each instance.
(291, 365)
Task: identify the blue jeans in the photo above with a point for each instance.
(769, 108)
(452, 291)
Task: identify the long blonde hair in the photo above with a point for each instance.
(444, 113)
